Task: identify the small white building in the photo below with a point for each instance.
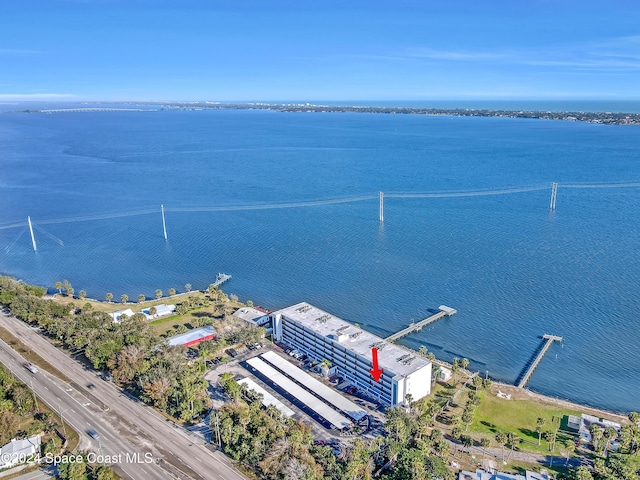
(16, 451)
(162, 310)
(585, 424)
(119, 313)
(252, 315)
(444, 374)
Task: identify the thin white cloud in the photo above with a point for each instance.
(456, 55)
(35, 96)
(614, 56)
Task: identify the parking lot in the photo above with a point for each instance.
(369, 427)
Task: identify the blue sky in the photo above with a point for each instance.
(323, 50)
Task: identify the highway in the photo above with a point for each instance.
(126, 427)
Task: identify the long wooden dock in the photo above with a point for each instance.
(547, 341)
(444, 311)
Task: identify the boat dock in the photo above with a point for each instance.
(444, 311)
(533, 364)
(221, 278)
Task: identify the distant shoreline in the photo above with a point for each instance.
(604, 118)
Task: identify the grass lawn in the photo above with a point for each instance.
(132, 304)
(497, 414)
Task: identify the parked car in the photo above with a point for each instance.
(232, 352)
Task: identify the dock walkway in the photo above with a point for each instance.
(548, 340)
(444, 311)
(221, 278)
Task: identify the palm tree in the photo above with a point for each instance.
(82, 294)
(158, 293)
(70, 291)
(422, 351)
(109, 297)
(485, 443)
(569, 448)
(408, 398)
(467, 441)
(610, 435)
(512, 440)
(467, 418)
(172, 292)
(325, 365)
(501, 439)
(596, 435)
(59, 287)
(141, 298)
(477, 382)
(455, 368)
(124, 297)
(548, 436)
(187, 287)
(540, 422)
(153, 311)
(464, 363)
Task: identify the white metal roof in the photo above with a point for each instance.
(328, 394)
(191, 335)
(295, 390)
(267, 398)
(391, 357)
(249, 314)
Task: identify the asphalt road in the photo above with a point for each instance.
(142, 444)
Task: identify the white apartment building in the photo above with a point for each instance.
(321, 335)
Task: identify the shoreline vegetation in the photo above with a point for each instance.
(605, 118)
(462, 418)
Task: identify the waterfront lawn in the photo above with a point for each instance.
(519, 417)
(108, 307)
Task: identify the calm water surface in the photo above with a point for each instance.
(512, 269)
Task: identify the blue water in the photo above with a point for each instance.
(512, 269)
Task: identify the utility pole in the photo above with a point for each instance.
(218, 432)
(381, 207)
(64, 429)
(554, 193)
(35, 399)
(33, 239)
(164, 225)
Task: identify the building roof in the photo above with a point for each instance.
(15, 450)
(249, 314)
(328, 394)
(118, 313)
(192, 336)
(267, 398)
(391, 357)
(482, 475)
(314, 403)
(161, 310)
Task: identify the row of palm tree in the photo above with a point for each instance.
(124, 298)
